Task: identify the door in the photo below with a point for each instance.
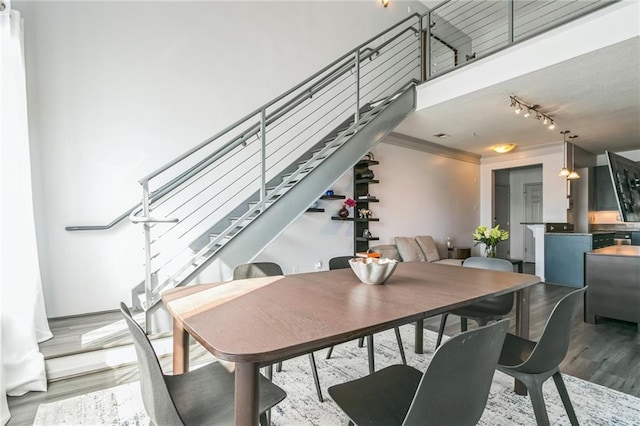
(532, 214)
(501, 215)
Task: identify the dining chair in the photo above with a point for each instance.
(488, 309)
(270, 269)
(342, 262)
(452, 391)
(199, 397)
(534, 363)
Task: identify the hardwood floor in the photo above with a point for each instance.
(606, 354)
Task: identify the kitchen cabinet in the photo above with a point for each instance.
(613, 277)
(564, 256)
(604, 193)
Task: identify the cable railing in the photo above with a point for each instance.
(194, 205)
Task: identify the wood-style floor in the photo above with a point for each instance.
(607, 354)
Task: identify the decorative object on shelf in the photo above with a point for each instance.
(367, 174)
(449, 242)
(368, 156)
(329, 193)
(349, 202)
(372, 270)
(364, 213)
(490, 237)
(529, 110)
(366, 233)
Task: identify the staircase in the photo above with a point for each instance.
(224, 201)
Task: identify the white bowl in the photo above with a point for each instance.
(373, 270)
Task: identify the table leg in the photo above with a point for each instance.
(522, 327)
(418, 339)
(245, 411)
(180, 349)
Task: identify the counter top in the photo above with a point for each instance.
(632, 251)
(588, 234)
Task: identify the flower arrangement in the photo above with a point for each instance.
(344, 213)
(490, 237)
(349, 202)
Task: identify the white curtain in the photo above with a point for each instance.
(24, 321)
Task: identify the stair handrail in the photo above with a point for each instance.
(157, 194)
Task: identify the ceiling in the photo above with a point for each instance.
(596, 96)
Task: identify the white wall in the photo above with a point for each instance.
(419, 193)
(116, 89)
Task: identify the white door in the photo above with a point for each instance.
(532, 214)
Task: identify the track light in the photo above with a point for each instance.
(385, 3)
(520, 106)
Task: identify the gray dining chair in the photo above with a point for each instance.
(488, 309)
(534, 363)
(270, 269)
(199, 397)
(342, 262)
(452, 391)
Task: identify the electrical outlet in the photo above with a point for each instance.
(318, 265)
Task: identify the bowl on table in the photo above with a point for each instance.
(371, 270)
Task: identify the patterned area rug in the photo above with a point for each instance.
(594, 404)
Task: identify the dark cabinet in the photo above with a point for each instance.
(564, 256)
(635, 238)
(604, 194)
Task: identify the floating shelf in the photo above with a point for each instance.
(368, 200)
(371, 219)
(367, 239)
(367, 163)
(333, 197)
(367, 181)
(342, 218)
(314, 210)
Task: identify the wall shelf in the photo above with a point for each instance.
(360, 190)
(333, 197)
(314, 210)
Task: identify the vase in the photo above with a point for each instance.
(490, 251)
(343, 212)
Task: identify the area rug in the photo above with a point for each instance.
(594, 404)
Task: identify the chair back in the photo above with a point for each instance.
(498, 305)
(455, 387)
(492, 263)
(156, 398)
(341, 262)
(554, 342)
(256, 270)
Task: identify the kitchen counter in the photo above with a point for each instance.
(625, 251)
(613, 276)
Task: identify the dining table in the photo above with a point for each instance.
(261, 321)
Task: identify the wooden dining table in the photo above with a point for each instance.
(261, 321)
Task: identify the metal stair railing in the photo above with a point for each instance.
(206, 184)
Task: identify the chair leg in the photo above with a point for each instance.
(329, 352)
(564, 395)
(537, 400)
(400, 347)
(372, 368)
(361, 342)
(316, 380)
(269, 371)
(443, 322)
(279, 367)
(264, 419)
(463, 324)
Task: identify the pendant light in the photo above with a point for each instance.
(564, 172)
(573, 175)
